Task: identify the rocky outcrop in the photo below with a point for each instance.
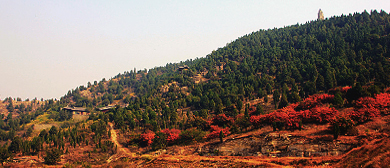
(276, 145)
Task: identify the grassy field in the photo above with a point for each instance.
(44, 122)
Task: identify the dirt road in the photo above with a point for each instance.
(121, 151)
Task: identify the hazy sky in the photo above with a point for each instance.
(49, 47)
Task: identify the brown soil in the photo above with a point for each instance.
(121, 151)
(373, 150)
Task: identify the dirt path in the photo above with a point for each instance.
(121, 151)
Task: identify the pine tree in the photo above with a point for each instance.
(276, 97)
(4, 155)
(259, 110)
(338, 100)
(52, 156)
(221, 136)
(283, 101)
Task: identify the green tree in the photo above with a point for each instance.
(221, 136)
(239, 105)
(29, 131)
(285, 89)
(336, 131)
(269, 88)
(9, 117)
(4, 155)
(283, 101)
(53, 130)
(338, 100)
(354, 93)
(10, 107)
(159, 141)
(259, 110)
(310, 88)
(266, 99)
(246, 113)
(43, 134)
(294, 97)
(329, 79)
(320, 83)
(212, 105)
(276, 97)
(52, 156)
(260, 93)
(15, 144)
(174, 117)
(204, 113)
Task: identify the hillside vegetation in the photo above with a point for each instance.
(333, 73)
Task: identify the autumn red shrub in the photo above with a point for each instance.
(308, 111)
(288, 116)
(252, 109)
(366, 108)
(257, 120)
(364, 114)
(345, 89)
(312, 110)
(313, 101)
(365, 102)
(341, 89)
(222, 120)
(171, 134)
(382, 100)
(215, 131)
(322, 115)
(147, 137)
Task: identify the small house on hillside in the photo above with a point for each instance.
(77, 110)
(106, 108)
(185, 67)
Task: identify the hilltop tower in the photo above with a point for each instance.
(320, 15)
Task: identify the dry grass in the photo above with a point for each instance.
(77, 118)
(372, 138)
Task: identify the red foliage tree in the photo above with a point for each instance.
(382, 100)
(366, 108)
(215, 131)
(286, 115)
(345, 89)
(312, 110)
(222, 119)
(147, 137)
(341, 89)
(308, 111)
(322, 115)
(365, 102)
(172, 134)
(364, 114)
(313, 101)
(257, 120)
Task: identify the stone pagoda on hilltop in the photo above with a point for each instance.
(320, 15)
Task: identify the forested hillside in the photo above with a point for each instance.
(310, 72)
(289, 63)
